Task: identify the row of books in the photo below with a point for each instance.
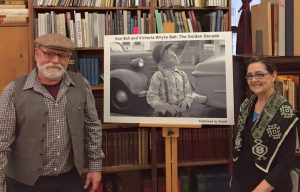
(84, 32)
(194, 145)
(130, 3)
(170, 21)
(197, 181)
(93, 3)
(214, 3)
(192, 3)
(89, 31)
(11, 13)
(13, 2)
(286, 85)
(205, 182)
(132, 146)
(276, 28)
(126, 147)
(90, 69)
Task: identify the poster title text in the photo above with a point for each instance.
(168, 37)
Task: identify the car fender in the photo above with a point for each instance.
(213, 71)
(134, 80)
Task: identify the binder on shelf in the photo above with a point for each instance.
(261, 27)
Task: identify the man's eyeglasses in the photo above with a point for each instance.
(51, 54)
(256, 75)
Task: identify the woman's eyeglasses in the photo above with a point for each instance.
(256, 75)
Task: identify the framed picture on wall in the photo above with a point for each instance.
(166, 78)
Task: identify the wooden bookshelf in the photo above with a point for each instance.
(15, 52)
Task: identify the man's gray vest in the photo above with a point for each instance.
(25, 161)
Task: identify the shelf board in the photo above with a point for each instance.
(89, 8)
(98, 87)
(204, 163)
(15, 25)
(200, 163)
(144, 167)
(89, 48)
(179, 8)
(284, 64)
(119, 125)
(120, 168)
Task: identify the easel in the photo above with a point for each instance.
(171, 133)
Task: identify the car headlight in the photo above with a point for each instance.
(137, 63)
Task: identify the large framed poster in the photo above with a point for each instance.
(178, 78)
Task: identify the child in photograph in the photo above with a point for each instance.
(170, 92)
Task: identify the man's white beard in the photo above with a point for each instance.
(50, 73)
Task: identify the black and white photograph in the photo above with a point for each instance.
(169, 78)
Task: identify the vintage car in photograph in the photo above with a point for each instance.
(131, 72)
(130, 75)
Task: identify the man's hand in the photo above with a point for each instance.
(173, 109)
(184, 105)
(92, 179)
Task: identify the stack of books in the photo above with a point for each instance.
(13, 11)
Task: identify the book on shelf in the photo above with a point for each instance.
(159, 23)
(185, 22)
(73, 62)
(169, 27)
(13, 19)
(192, 3)
(189, 22)
(13, 14)
(118, 184)
(281, 28)
(123, 148)
(161, 184)
(216, 179)
(103, 3)
(295, 176)
(296, 27)
(209, 142)
(289, 27)
(198, 181)
(14, 2)
(143, 146)
(12, 6)
(86, 29)
(184, 183)
(196, 145)
(90, 68)
(287, 86)
(14, 11)
(147, 184)
(261, 28)
(108, 183)
(275, 28)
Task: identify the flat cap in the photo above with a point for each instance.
(158, 51)
(55, 41)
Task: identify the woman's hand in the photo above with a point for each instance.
(263, 186)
